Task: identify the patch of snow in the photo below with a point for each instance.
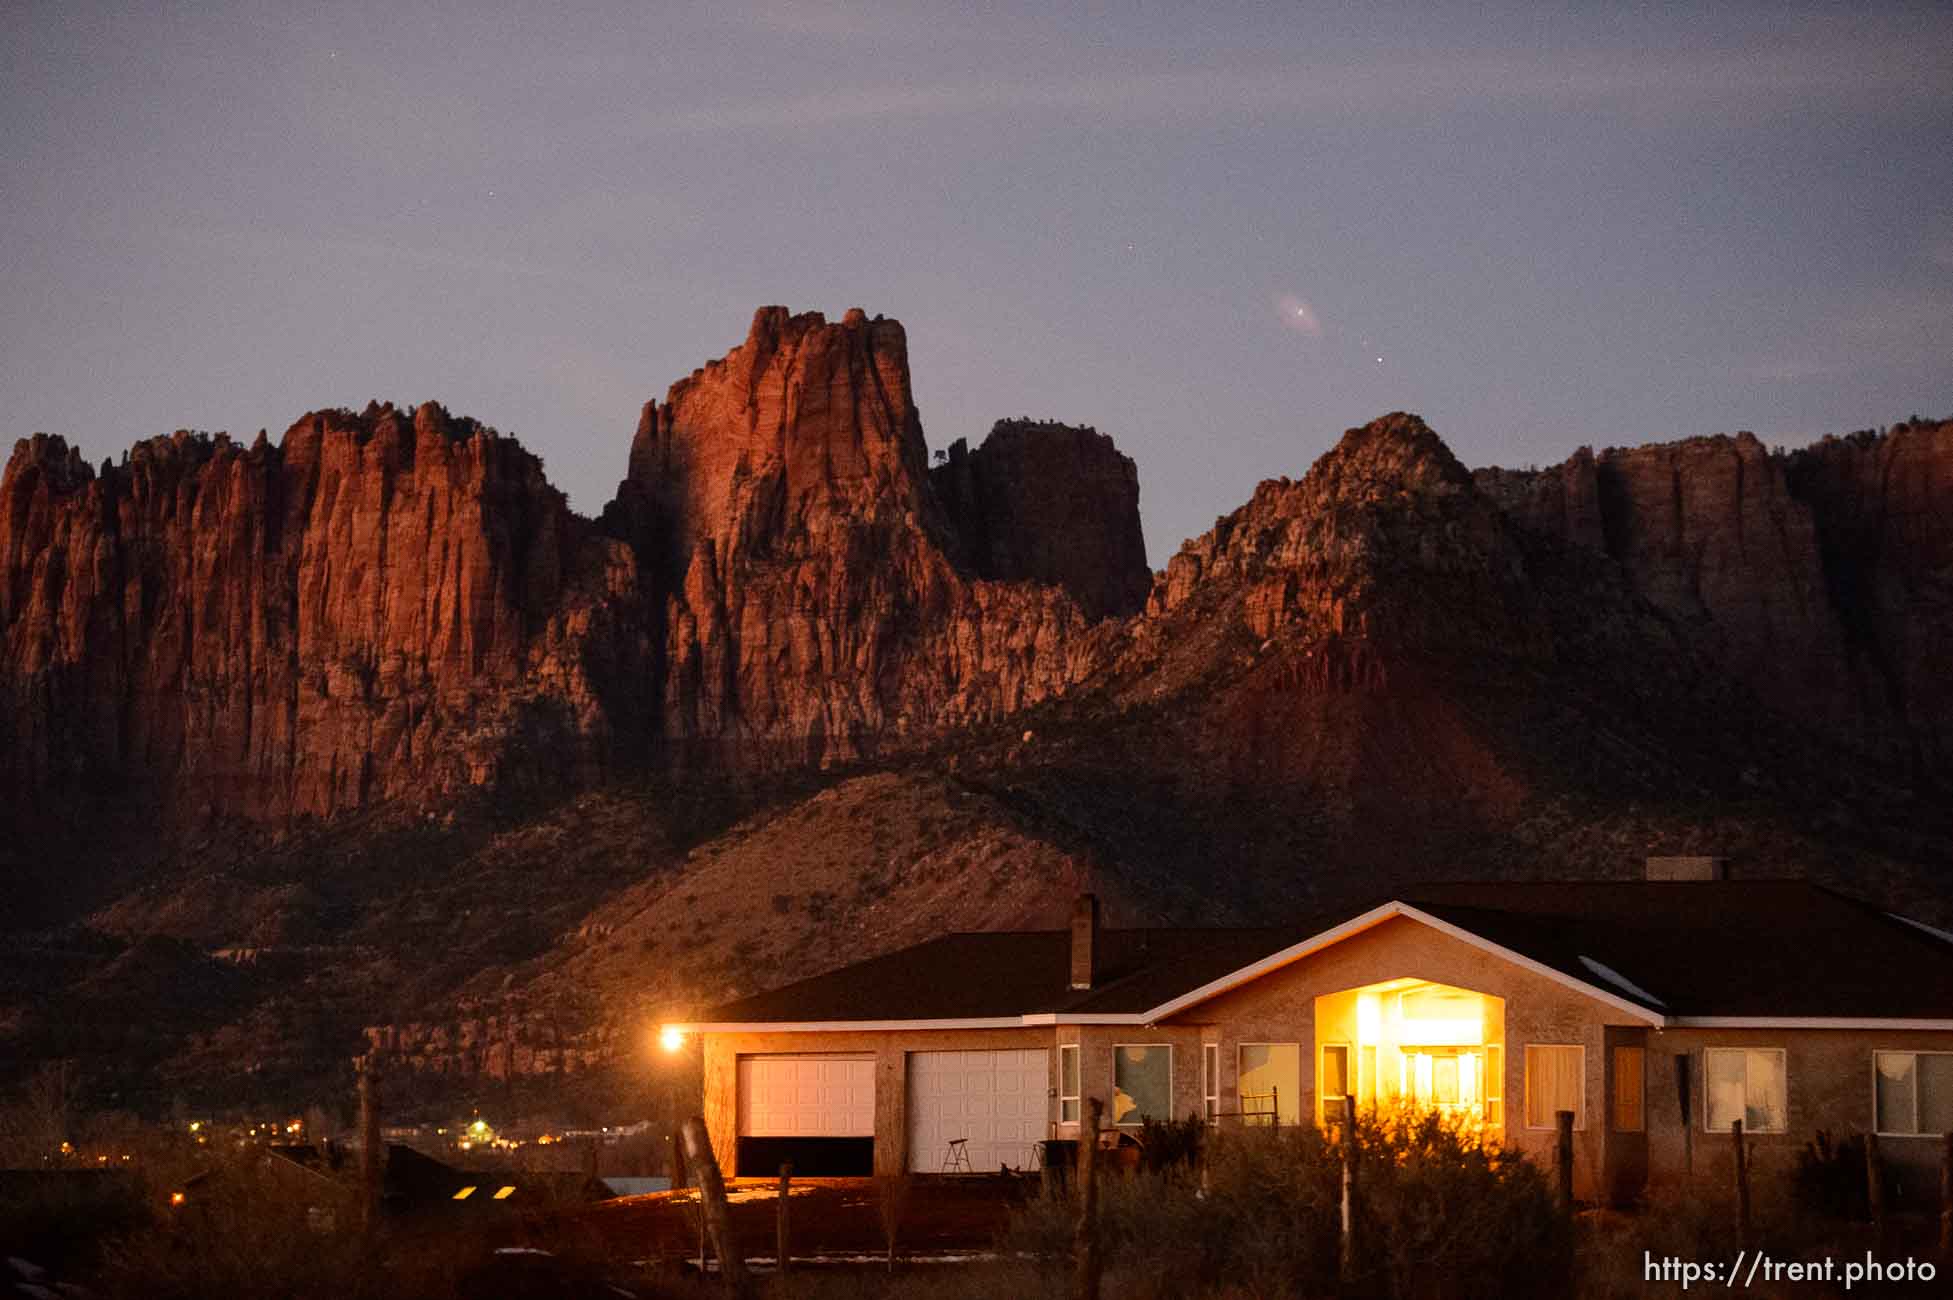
(1620, 981)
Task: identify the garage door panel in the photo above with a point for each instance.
(997, 1101)
(806, 1096)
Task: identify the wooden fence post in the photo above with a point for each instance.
(1742, 1182)
(1875, 1183)
(372, 1156)
(1563, 1158)
(1086, 1262)
(782, 1247)
(712, 1196)
(1946, 1195)
(1346, 1246)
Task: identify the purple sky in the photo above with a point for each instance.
(1219, 233)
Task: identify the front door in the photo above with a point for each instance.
(1625, 1162)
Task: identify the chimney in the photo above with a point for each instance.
(1085, 941)
(1698, 868)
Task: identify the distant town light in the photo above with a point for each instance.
(671, 1038)
(176, 1198)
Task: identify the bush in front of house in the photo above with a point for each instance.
(1439, 1215)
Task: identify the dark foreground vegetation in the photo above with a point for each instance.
(1254, 1213)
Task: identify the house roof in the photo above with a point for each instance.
(1725, 948)
(1669, 951)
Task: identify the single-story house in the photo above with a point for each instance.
(1658, 1011)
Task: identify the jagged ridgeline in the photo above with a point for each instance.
(391, 606)
(396, 606)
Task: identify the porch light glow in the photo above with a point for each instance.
(671, 1038)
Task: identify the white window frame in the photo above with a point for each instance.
(1526, 1088)
(1116, 1048)
(1210, 1082)
(1900, 1051)
(1078, 1081)
(1746, 1048)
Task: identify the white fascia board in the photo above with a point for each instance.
(1377, 916)
(1804, 1022)
(842, 1026)
(1042, 1018)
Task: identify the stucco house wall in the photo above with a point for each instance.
(1828, 1083)
(1281, 1007)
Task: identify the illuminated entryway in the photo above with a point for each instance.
(1411, 1043)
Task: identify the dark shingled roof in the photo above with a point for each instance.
(987, 974)
(1681, 948)
(1716, 948)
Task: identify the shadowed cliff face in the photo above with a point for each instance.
(1822, 579)
(1054, 504)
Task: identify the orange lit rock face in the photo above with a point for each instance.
(374, 610)
(1384, 539)
(812, 610)
(395, 608)
(388, 607)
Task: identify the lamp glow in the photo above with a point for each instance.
(671, 1038)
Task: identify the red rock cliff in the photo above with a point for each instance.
(376, 609)
(812, 609)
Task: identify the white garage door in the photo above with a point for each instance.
(829, 1095)
(999, 1101)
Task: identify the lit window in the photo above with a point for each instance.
(1068, 1104)
(1629, 1092)
(1333, 1082)
(1914, 1091)
(1745, 1083)
(1142, 1083)
(1270, 1083)
(1210, 1082)
(1556, 1080)
(464, 1193)
(503, 1194)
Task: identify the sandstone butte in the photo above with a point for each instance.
(391, 607)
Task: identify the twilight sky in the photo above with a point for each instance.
(1221, 233)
